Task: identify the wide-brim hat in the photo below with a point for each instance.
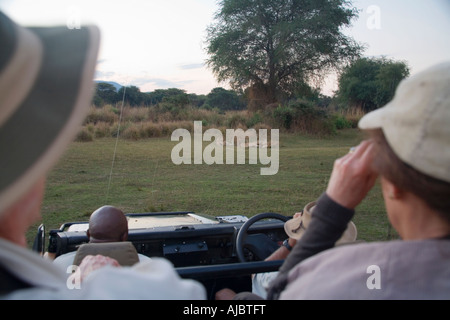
(296, 227)
(46, 87)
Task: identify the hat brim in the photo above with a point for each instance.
(375, 119)
(350, 234)
(293, 228)
(48, 118)
(295, 231)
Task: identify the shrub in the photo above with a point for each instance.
(283, 117)
(150, 130)
(102, 130)
(104, 114)
(161, 120)
(306, 112)
(115, 128)
(84, 135)
(341, 122)
(322, 126)
(236, 120)
(132, 132)
(135, 114)
(254, 120)
(353, 115)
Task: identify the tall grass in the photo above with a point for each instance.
(160, 121)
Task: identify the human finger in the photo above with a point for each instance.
(353, 152)
(358, 151)
(352, 176)
(298, 214)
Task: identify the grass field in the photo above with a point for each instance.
(144, 179)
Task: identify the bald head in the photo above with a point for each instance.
(108, 224)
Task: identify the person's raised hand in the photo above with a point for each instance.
(352, 176)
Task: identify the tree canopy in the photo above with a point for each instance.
(224, 100)
(105, 93)
(369, 83)
(219, 98)
(276, 46)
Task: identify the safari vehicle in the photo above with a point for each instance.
(219, 252)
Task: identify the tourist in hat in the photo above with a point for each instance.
(46, 87)
(409, 150)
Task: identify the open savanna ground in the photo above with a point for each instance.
(144, 179)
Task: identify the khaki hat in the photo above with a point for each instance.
(46, 87)
(416, 122)
(295, 228)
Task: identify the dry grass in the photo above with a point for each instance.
(135, 123)
(352, 115)
(144, 122)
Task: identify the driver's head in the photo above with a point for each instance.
(108, 224)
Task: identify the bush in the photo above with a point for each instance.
(353, 116)
(84, 135)
(132, 133)
(237, 120)
(283, 117)
(115, 128)
(322, 127)
(341, 122)
(303, 116)
(102, 130)
(161, 120)
(151, 130)
(135, 114)
(254, 120)
(104, 114)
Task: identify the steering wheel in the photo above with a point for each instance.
(242, 234)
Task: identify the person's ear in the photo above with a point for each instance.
(88, 234)
(124, 236)
(393, 192)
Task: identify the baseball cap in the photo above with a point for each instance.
(416, 123)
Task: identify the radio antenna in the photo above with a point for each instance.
(115, 147)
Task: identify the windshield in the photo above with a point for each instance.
(183, 120)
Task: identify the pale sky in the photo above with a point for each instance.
(159, 44)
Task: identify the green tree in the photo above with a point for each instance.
(133, 95)
(388, 78)
(159, 95)
(197, 100)
(369, 83)
(105, 93)
(224, 100)
(180, 99)
(276, 46)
